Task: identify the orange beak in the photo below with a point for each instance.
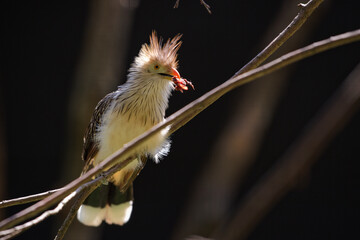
(175, 73)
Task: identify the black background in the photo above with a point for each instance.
(40, 47)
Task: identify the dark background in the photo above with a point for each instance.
(41, 44)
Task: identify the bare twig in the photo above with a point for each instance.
(26, 199)
(10, 233)
(180, 118)
(207, 6)
(305, 11)
(177, 4)
(297, 160)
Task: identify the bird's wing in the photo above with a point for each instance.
(91, 145)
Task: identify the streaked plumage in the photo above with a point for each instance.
(119, 117)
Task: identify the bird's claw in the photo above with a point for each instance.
(104, 181)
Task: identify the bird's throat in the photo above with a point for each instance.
(146, 103)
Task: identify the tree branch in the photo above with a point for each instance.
(180, 118)
(27, 199)
(12, 232)
(207, 6)
(305, 11)
(297, 160)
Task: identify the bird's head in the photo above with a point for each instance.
(156, 61)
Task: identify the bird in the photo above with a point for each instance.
(122, 115)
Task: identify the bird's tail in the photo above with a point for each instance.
(107, 203)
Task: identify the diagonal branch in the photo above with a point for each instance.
(305, 11)
(207, 6)
(297, 160)
(181, 117)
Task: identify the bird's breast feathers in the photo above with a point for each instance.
(120, 128)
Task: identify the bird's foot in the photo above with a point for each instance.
(104, 181)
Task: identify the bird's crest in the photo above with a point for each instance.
(157, 51)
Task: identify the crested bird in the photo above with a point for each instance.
(124, 114)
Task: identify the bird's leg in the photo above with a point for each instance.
(142, 161)
(104, 180)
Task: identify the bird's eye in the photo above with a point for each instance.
(156, 67)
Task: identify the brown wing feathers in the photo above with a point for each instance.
(91, 145)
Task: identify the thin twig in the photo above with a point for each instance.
(202, 2)
(207, 6)
(177, 4)
(181, 117)
(26, 199)
(10, 233)
(305, 11)
(297, 160)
